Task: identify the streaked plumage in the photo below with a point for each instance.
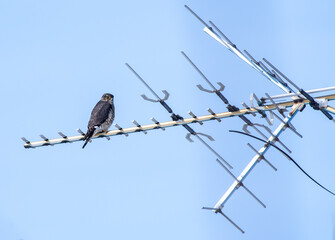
(102, 117)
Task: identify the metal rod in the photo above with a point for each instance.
(292, 83)
(80, 132)
(279, 78)
(44, 137)
(231, 221)
(62, 135)
(227, 170)
(309, 91)
(120, 129)
(242, 56)
(252, 97)
(257, 130)
(219, 94)
(210, 111)
(264, 68)
(249, 55)
(194, 14)
(230, 108)
(206, 79)
(174, 117)
(173, 123)
(213, 151)
(210, 138)
(253, 195)
(25, 140)
(241, 184)
(275, 138)
(213, 113)
(290, 126)
(198, 70)
(273, 102)
(247, 107)
(221, 33)
(254, 161)
(156, 122)
(194, 116)
(139, 126)
(262, 157)
(139, 77)
(214, 35)
(215, 210)
(330, 109)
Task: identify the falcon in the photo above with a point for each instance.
(102, 117)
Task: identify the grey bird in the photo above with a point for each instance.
(102, 117)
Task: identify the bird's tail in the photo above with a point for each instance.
(88, 136)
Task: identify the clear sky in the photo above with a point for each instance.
(58, 58)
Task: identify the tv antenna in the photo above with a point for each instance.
(282, 107)
(300, 98)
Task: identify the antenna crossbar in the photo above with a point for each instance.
(125, 131)
(257, 158)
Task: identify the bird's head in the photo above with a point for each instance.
(107, 97)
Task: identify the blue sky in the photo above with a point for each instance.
(58, 58)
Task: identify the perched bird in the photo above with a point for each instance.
(102, 117)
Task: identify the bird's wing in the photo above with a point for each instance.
(99, 114)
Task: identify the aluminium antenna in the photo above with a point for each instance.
(163, 125)
(265, 106)
(274, 76)
(288, 157)
(176, 117)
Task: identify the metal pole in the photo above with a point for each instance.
(125, 131)
(255, 160)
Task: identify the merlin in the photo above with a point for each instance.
(102, 117)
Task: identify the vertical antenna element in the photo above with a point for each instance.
(247, 107)
(44, 138)
(249, 55)
(213, 113)
(25, 140)
(188, 137)
(290, 126)
(217, 91)
(218, 210)
(145, 84)
(224, 36)
(62, 135)
(262, 157)
(198, 70)
(157, 123)
(176, 117)
(231, 108)
(315, 105)
(194, 14)
(139, 126)
(240, 184)
(195, 117)
(254, 161)
(275, 104)
(292, 83)
(80, 132)
(121, 129)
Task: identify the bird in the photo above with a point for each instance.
(102, 117)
